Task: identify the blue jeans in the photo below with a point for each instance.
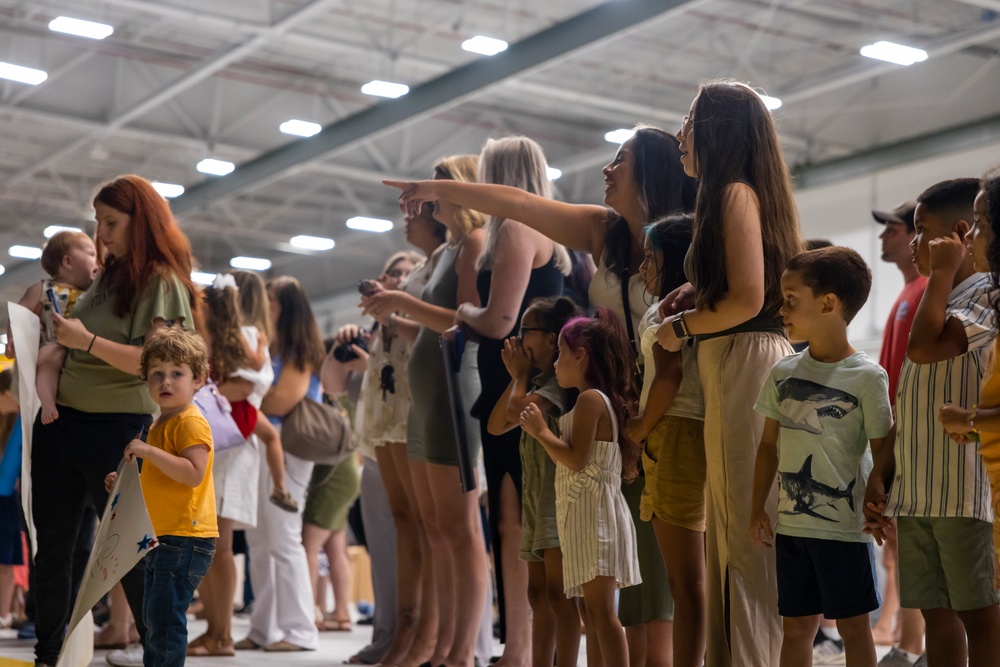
(173, 571)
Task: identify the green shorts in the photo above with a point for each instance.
(945, 563)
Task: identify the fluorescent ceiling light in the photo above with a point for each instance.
(24, 251)
(487, 46)
(203, 278)
(553, 173)
(2, 271)
(385, 89)
(619, 136)
(215, 167)
(312, 242)
(52, 230)
(27, 75)
(771, 103)
(80, 28)
(894, 53)
(300, 128)
(369, 224)
(169, 190)
(250, 263)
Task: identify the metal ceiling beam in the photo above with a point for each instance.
(964, 137)
(190, 79)
(543, 48)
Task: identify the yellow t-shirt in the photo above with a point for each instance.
(989, 447)
(175, 508)
(91, 385)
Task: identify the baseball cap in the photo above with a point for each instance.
(902, 213)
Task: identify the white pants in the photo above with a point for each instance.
(283, 598)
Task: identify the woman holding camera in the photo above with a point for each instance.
(447, 537)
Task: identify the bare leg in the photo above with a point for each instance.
(638, 644)
(50, 362)
(116, 632)
(603, 625)
(859, 646)
(564, 610)
(885, 628)
(543, 620)
(982, 626)
(313, 538)
(797, 645)
(945, 638)
(594, 657)
(217, 590)
(517, 650)
(683, 553)
(911, 630)
(340, 578)
(416, 607)
(7, 594)
(275, 455)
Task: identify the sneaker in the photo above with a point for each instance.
(896, 658)
(126, 657)
(27, 631)
(829, 652)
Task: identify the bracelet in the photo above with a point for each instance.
(972, 419)
(91, 346)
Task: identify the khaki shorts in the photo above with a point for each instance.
(945, 562)
(674, 463)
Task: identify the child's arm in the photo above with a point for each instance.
(934, 335)
(507, 411)
(959, 422)
(586, 417)
(879, 483)
(764, 471)
(257, 357)
(187, 468)
(667, 375)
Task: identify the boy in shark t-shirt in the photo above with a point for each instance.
(823, 407)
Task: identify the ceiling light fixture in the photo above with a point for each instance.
(483, 45)
(28, 75)
(168, 190)
(553, 173)
(300, 128)
(362, 223)
(80, 28)
(894, 53)
(250, 263)
(52, 230)
(312, 242)
(24, 252)
(619, 136)
(203, 278)
(385, 89)
(215, 167)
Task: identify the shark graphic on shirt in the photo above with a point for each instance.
(808, 494)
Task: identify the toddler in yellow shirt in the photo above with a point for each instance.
(177, 485)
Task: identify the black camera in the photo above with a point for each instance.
(367, 287)
(344, 353)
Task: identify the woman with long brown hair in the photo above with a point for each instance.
(282, 618)
(746, 228)
(145, 282)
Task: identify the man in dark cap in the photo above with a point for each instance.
(896, 238)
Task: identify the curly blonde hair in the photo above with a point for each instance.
(177, 346)
(461, 168)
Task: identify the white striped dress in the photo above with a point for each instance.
(596, 532)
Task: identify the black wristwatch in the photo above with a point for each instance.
(680, 327)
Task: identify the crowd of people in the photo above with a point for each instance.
(662, 470)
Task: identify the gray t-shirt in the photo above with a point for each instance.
(828, 412)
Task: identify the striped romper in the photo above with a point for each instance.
(595, 528)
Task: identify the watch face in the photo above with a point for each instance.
(679, 329)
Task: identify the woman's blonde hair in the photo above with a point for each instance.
(518, 162)
(461, 168)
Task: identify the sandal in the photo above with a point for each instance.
(334, 625)
(246, 644)
(204, 647)
(284, 500)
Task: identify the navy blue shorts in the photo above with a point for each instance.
(829, 577)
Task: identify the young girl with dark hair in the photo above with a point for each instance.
(671, 423)
(745, 230)
(230, 353)
(592, 456)
(555, 623)
(145, 283)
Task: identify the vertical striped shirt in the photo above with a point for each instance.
(936, 477)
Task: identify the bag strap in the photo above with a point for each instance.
(629, 327)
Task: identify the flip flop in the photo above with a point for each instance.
(211, 649)
(285, 647)
(334, 625)
(246, 644)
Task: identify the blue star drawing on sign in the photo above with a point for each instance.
(144, 543)
(114, 503)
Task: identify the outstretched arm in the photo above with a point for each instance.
(577, 226)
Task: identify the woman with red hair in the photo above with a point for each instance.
(144, 283)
